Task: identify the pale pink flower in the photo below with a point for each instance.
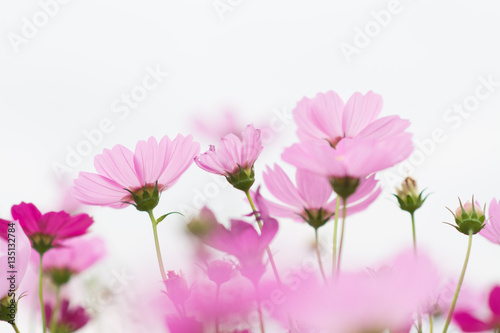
(313, 193)
(220, 271)
(387, 298)
(50, 229)
(325, 118)
(119, 170)
(218, 126)
(234, 154)
(75, 255)
(355, 158)
(12, 265)
(492, 229)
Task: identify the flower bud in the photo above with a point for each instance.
(242, 179)
(8, 309)
(177, 287)
(146, 198)
(204, 224)
(220, 271)
(316, 217)
(469, 217)
(409, 198)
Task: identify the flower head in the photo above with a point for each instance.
(468, 322)
(469, 217)
(69, 319)
(124, 177)
(220, 271)
(73, 257)
(310, 199)
(409, 198)
(325, 118)
(50, 229)
(492, 228)
(177, 288)
(234, 158)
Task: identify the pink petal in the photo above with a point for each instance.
(314, 189)
(360, 111)
(469, 323)
(93, 189)
(492, 229)
(384, 128)
(494, 301)
(117, 164)
(281, 187)
(251, 146)
(27, 215)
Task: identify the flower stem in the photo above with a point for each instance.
(55, 312)
(14, 326)
(431, 323)
(459, 285)
(40, 292)
(217, 295)
(414, 233)
(319, 256)
(157, 245)
(344, 209)
(259, 308)
(335, 227)
(268, 250)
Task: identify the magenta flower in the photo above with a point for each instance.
(492, 229)
(50, 229)
(234, 158)
(326, 118)
(69, 319)
(9, 282)
(469, 323)
(123, 177)
(73, 257)
(311, 199)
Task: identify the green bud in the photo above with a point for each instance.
(316, 217)
(469, 217)
(60, 276)
(409, 198)
(145, 198)
(242, 179)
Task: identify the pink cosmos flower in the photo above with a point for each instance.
(234, 158)
(387, 298)
(469, 323)
(20, 243)
(120, 171)
(326, 118)
(355, 158)
(312, 194)
(242, 241)
(74, 255)
(492, 229)
(70, 319)
(50, 229)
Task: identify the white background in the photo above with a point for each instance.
(257, 58)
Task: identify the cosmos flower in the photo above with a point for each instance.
(468, 322)
(492, 229)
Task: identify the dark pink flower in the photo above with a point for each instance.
(325, 118)
(70, 319)
(312, 195)
(468, 322)
(120, 171)
(492, 229)
(50, 229)
(355, 158)
(17, 262)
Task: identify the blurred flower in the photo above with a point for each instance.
(409, 198)
(220, 271)
(309, 200)
(219, 126)
(50, 229)
(234, 158)
(469, 323)
(325, 118)
(120, 173)
(177, 288)
(469, 217)
(184, 325)
(69, 319)
(73, 257)
(352, 160)
(491, 230)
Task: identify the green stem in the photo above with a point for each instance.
(344, 209)
(335, 227)
(414, 232)
(14, 326)
(55, 311)
(431, 322)
(319, 256)
(459, 285)
(268, 250)
(40, 292)
(157, 245)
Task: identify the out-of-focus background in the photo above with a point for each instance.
(81, 76)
